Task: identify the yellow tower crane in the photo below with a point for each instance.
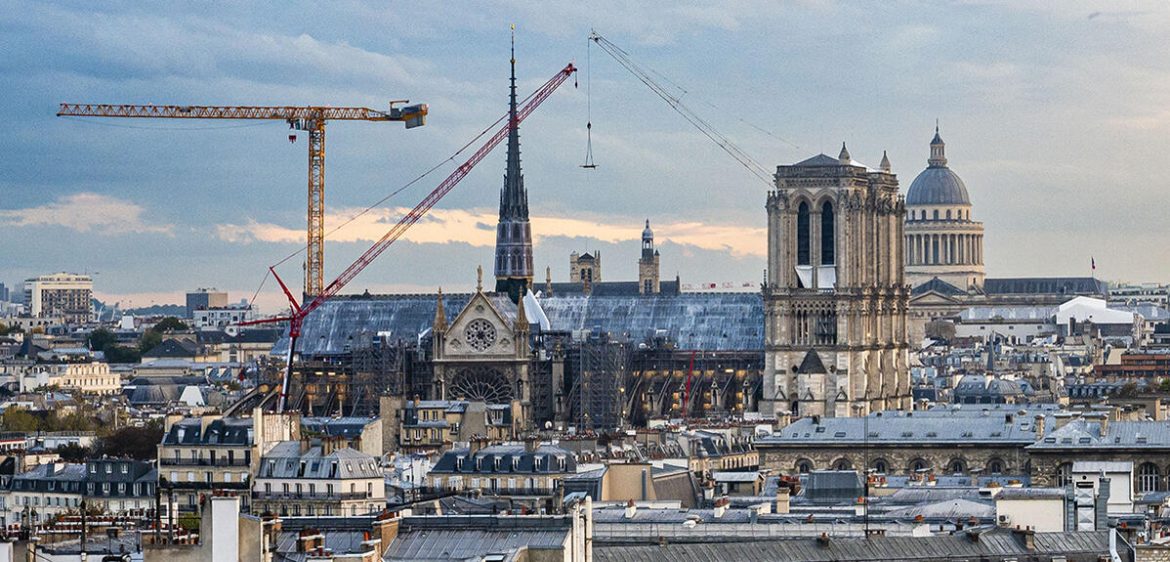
(310, 119)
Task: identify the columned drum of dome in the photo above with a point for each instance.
(941, 238)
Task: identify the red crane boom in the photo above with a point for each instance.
(298, 312)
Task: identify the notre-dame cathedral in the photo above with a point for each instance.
(835, 297)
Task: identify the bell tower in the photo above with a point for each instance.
(648, 282)
(835, 298)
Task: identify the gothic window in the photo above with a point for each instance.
(803, 256)
(480, 334)
(647, 287)
(1149, 478)
(481, 384)
(828, 235)
(1064, 474)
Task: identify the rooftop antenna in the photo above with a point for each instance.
(589, 164)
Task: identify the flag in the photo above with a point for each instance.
(1093, 261)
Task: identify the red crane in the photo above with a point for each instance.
(297, 313)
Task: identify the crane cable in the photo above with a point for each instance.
(589, 164)
(644, 75)
(397, 191)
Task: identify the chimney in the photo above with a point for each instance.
(783, 498)
(309, 540)
(475, 444)
(1027, 537)
(721, 506)
(1039, 426)
(631, 509)
(823, 540)
(531, 443)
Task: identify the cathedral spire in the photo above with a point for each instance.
(440, 323)
(513, 233)
(844, 157)
(885, 165)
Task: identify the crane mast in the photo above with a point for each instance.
(297, 312)
(310, 119)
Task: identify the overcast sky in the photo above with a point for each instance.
(1056, 115)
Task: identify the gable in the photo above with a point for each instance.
(481, 330)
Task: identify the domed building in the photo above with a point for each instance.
(941, 239)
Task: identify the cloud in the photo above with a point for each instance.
(86, 212)
(446, 226)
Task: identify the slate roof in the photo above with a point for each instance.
(821, 159)
(349, 427)
(991, 545)
(1045, 286)
(705, 321)
(435, 539)
(1084, 434)
(224, 431)
(890, 428)
(285, 460)
(173, 349)
(543, 461)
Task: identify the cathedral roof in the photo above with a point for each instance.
(821, 159)
(705, 321)
(812, 364)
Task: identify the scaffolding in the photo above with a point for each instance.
(598, 391)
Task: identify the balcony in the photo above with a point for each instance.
(183, 485)
(498, 491)
(310, 496)
(202, 462)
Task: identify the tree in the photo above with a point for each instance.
(19, 419)
(122, 354)
(72, 452)
(170, 324)
(150, 340)
(139, 443)
(102, 339)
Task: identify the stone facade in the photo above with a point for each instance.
(835, 298)
(483, 355)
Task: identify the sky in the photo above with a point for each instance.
(1056, 115)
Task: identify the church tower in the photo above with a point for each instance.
(514, 232)
(835, 298)
(648, 264)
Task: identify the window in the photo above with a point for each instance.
(1064, 474)
(804, 466)
(842, 464)
(828, 235)
(880, 466)
(803, 256)
(918, 465)
(1149, 478)
(936, 214)
(995, 466)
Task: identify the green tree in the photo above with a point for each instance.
(102, 339)
(19, 419)
(139, 443)
(169, 324)
(122, 354)
(150, 339)
(73, 452)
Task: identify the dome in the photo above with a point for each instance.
(937, 185)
